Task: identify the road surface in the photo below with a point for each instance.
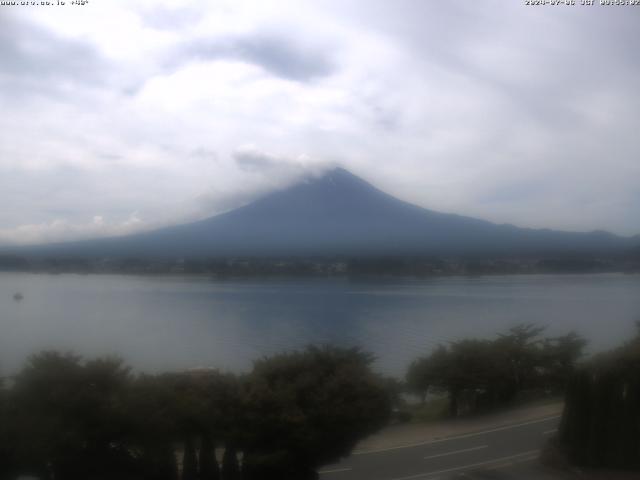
(509, 451)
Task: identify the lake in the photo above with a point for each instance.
(167, 323)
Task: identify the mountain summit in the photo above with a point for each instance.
(338, 213)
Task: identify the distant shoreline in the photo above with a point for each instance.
(376, 268)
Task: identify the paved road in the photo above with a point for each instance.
(503, 452)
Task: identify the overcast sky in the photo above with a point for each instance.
(125, 115)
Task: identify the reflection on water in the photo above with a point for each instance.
(159, 323)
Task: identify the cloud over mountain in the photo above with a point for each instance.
(492, 110)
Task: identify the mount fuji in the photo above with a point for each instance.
(338, 213)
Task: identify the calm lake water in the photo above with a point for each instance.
(159, 323)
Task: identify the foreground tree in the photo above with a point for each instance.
(151, 404)
(309, 408)
(209, 468)
(559, 358)
(600, 426)
(520, 350)
(428, 373)
(69, 417)
(7, 455)
(230, 464)
(483, 374)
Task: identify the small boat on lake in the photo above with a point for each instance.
(18, 297)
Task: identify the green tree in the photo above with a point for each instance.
(7, 456)
(472, 370)
(151, 405)
(190, 461)
(309, 408)
(70, 417)
(428, 372)
(209, 468)
(559, 358)
(230, 464)
(484, 374)
(600, 426)
(520, 349)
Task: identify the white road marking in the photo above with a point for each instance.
(466, 467)
(514, 462)
(335, 470)
(456, 451)
(458, 437)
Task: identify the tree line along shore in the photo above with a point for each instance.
(327, 266)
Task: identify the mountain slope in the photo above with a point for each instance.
(339, 213)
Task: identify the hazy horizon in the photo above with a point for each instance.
(338, 190)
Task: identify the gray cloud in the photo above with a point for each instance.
(33, 57)
(278, 54)
(264, 173)
(492, 109)
(251, 159)
(37, 62)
